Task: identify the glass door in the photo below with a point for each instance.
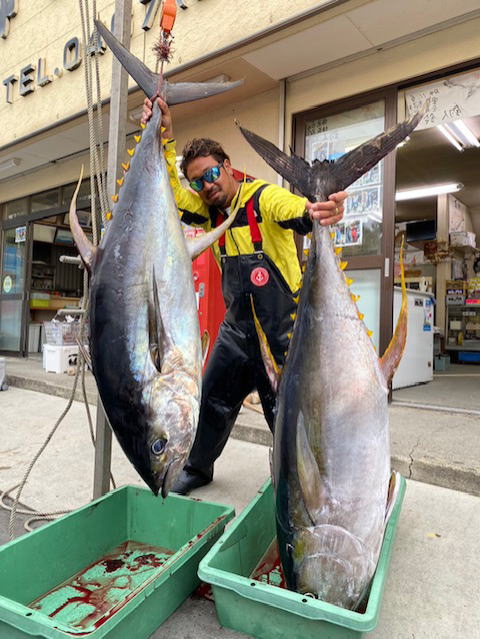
(13, 295)
(366, 232)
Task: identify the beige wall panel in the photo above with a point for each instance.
(260, 114)
(41, 29)
(444, 48)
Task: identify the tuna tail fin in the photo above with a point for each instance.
(272, 369)
(197, 245)
(338, 175)
(392, 356)
(84, 246)
(148, 80)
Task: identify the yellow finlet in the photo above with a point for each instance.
(369, 333)
(289, 335)
(338, 250)
(293, 316)
(137, 138)
(143, 125)
(332, 235)
(343, 265)
(125, 166)
(120, 181)
(130, 152)
(349, 281)
(115, 197)
(108, 215)
(304, 268)
(361, 316)
(354, 297)
(296, 299)
(306, 251)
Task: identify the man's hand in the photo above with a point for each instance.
(167, 126)
(329, 212)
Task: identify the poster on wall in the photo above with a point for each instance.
(447, 100)
(20, 234)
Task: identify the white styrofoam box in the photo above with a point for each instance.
(58, 359)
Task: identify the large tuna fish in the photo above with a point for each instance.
(145, 344)
(331, 458)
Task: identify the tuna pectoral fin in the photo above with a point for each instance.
(197, 245)
(313, 489)
(272, 368)
(392, 356)
(84, 246)
(148, 80)
(156, 332)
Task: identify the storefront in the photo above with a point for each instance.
(321, 77)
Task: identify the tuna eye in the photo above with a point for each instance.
(158, 446)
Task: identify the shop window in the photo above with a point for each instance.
(328, 138)
(16, 208)
(46, 200)
(83, 194)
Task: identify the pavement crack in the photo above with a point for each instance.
(410, 454)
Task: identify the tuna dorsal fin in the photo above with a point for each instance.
(392, 356)
(197, 245)
(84, 246)
(272, 368)
(148, 80)
(313, 489)
(337, 175)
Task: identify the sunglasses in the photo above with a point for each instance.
(210, 175)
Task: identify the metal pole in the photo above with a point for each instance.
(116, 148)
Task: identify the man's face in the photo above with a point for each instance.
(219, 193)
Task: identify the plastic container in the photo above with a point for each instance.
(269, 612)
(58, 359)
(61, 333)
(77, 576)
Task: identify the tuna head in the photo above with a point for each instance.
(172, 419)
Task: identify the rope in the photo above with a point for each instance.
(97, 184)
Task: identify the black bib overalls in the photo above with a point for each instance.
(235, 366)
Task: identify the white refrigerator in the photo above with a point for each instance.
(416, 366)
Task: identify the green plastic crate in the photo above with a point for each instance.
(269, 612)
(115, 568)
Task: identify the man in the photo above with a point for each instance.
(259, 266)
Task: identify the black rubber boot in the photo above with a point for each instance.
(189, 480)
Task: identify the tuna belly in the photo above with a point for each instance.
(333, 564)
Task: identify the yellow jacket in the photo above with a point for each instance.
(280, 213)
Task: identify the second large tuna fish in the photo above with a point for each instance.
(331, 458)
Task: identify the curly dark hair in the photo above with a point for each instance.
(201, 147)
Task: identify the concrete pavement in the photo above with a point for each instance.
(433, 583)
(440, 446)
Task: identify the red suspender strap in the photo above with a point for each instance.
(254, 228)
